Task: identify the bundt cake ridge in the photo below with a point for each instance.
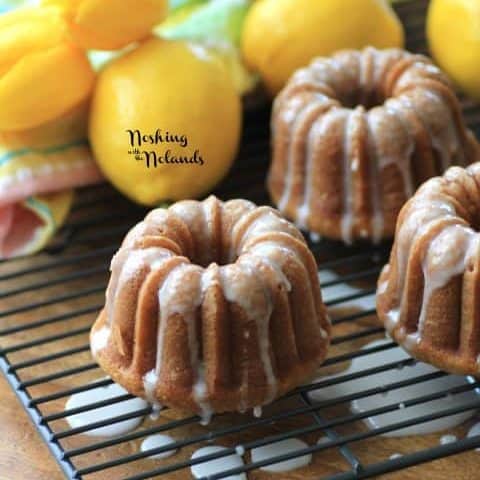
(212, 307)
(355, 134)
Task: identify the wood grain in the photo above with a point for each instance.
(22, 453)
(24, 456)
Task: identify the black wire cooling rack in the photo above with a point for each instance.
(49, 301)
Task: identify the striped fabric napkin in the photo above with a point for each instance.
(38, 169)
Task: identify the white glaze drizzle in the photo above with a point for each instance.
(211, 467)
(200, 389)
(364, 73)
(186, 304)
(448, 255)
(473, 432)
(315, 237)
(99, 340)
(200, 395)
(240, 450)
(235, 280)
(128, 267)
(271, 254)
(156, 409)
(230, 279)
(415, 224)
(319, 129)
(208, 210)
(268, 253)
(399, 395)
(322, 440)
(382, 287)
(283, 447)
(437, 121)
(116, 266)
(377, 215)
(268, 221)
(313, 111)
(293, 117)
(446, 439)
(257, 412)
(446, 142)
(347, 223)
(391, 319)
(303, 211)
(150, 384)
(402, 161)
(385, 154)
(442, 149)
(124, 265)
(98, 394)
(158, 440)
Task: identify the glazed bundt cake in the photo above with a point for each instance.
(212, 307)
(428, 295)
(354, 135)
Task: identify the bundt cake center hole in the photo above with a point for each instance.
(368, 99)
(212, 255)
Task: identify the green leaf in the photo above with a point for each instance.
(218, 21)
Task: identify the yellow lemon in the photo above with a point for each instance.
(165, 121)
(453, 31)
(281, 36)
(42, 75)
(110, 24)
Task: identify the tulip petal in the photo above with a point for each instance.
(44, 85)
(110, 24)
(28, 30)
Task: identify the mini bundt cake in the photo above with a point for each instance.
(212, 307)
(354, 135)
(428, 295)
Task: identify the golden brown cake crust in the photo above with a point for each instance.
(212, 307)
(428, 294)
(355, 134)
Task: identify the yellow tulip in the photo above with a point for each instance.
(110, 24)
(42, 75)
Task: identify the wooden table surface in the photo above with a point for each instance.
(24, 456)
(22, 453)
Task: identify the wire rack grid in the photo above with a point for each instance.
(49, 301)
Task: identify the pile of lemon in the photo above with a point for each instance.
(173, 87)
(166, 110)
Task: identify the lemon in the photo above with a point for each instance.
(281, 36)
(453, 31)
(218, 25)
(165, 121)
